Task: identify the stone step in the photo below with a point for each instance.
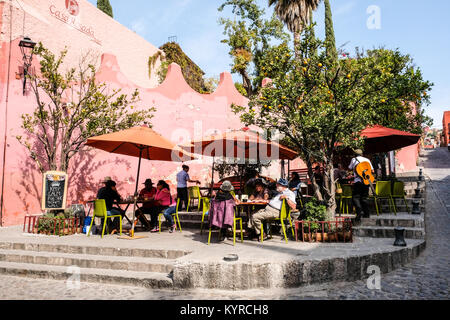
(89, 261)
(400, 220)
(129, 278)
(387, 232)
(94, 250)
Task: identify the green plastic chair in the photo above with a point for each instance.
(345, 198)
(285, 214)
(101, 212)
(175, 217)
(383, 191)
(399, 193)
(235, 220)
(206, 207)
(194, 194)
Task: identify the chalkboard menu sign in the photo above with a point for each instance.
(54, 190)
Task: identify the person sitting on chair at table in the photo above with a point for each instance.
(163, 199)
(220, 215)
(272, 211)
(261, 192)
(294, 182)
(109, 194)
(147, 194)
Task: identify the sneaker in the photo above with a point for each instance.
(155, 229)
(172, 229)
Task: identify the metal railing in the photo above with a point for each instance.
(339, 230)
(51, 225)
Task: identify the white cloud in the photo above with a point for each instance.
(139, 26)
(344, 9)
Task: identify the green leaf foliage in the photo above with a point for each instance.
(321, 106)
(71, 106)
(106, 7)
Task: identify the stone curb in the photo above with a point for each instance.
(294, 273)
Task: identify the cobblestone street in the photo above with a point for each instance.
(425, 278)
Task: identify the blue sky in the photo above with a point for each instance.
(409, 25)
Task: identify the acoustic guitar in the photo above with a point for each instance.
(364, 171)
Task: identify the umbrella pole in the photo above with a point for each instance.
(135, 202)
(212, 178)
(136, 192)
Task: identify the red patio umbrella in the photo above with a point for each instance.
(380, 139)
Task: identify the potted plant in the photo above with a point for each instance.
(315, 212)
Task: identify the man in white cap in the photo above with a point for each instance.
(272, 211)
(360, 191)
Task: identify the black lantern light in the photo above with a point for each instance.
(26, 47)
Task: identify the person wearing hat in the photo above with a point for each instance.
(147, 194)
(109, 194)
(272, 210)
(360, 191)
(221, 213)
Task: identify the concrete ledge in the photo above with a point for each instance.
(292, 273)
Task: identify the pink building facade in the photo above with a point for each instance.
(182, 113)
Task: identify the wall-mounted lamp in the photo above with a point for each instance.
(26, 47)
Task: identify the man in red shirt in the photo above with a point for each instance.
(146, 194)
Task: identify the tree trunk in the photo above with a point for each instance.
(297, 40)
(330, 190)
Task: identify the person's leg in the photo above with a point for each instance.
(182, 194)
(357, 191)
(114, 224)
(168, 215)
(365, 201)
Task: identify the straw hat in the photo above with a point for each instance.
(359, 152)
(108, 178)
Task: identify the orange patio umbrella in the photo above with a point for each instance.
(141, 142)
(243, 144)
(240, 144)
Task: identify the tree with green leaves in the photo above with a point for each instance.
(330, 39)
(249, 35)
(321, 106)
(71, 106)
(295, 14)
(106, 7)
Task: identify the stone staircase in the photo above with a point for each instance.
(148, 268)
(383, 226)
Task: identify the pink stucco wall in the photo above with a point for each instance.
(182, 114)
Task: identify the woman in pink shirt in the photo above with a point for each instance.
(163, 200)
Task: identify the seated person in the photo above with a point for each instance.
(294, 182)
(162, 201)
(148, 193)
(339, 173)
(221, 213)
(318, 176)
(109, 194)
(172, 209)
(272, 211)
(260, 193)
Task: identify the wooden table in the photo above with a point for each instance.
(249, 204)
(127, 203)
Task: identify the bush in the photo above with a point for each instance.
(315, 211)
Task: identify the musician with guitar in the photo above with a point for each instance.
(363, 178)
